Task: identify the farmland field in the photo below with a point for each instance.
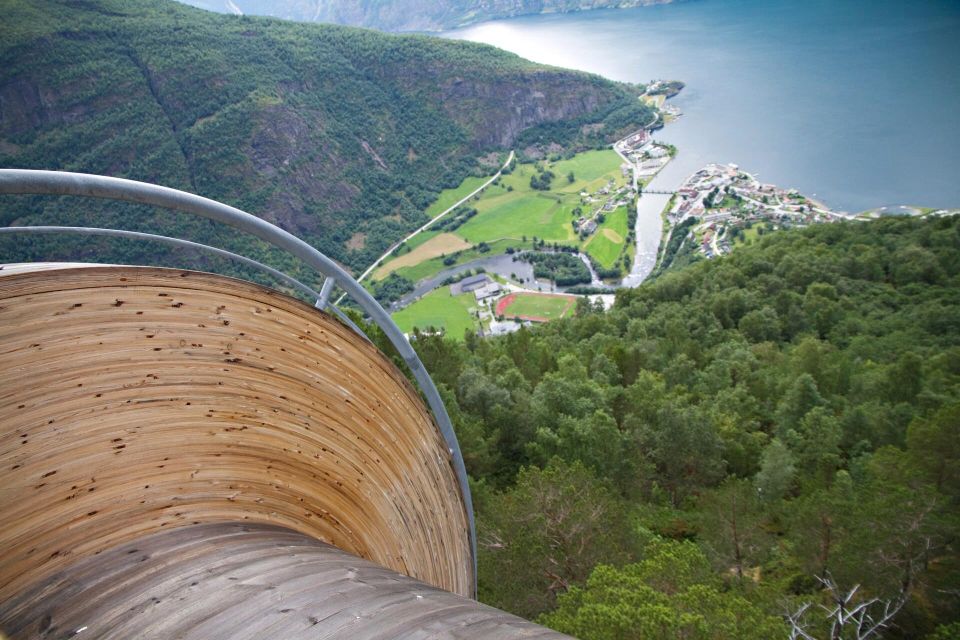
(420, 238)
(434, 266)
(438, 245)
(518, 214)
(539, 307)
(590, 169)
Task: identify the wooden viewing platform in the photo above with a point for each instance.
(188, 455)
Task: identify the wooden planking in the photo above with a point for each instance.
(230, 580)
(137, 399)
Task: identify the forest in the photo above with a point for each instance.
(562, 268)
(733, 444)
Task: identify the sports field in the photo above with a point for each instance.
(538, 307)
(439, 310)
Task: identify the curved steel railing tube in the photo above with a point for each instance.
(187, 244)
(175, 242)
(62, 183)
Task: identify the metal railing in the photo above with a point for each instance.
(61, 183)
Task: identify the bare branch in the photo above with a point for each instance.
(847, 618)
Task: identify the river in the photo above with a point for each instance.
(853, 101)
(648, 230)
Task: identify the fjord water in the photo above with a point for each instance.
(856, 101)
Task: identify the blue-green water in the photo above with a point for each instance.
(857, 101)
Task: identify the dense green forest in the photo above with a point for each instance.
(340, 135)
(693, 462)
(407, 15)
(564, 269)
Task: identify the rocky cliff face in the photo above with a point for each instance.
(333, 133)
(409, 15)
(499, 111)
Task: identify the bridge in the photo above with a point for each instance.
(658, 192)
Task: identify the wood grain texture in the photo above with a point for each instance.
(136, 400)
(234, 581)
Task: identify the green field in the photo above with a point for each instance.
(434, 266)
(511, 213)
(450, 197)
(539, 306)
(440, 310)
(591, 169)
(606, 244)
(749, 235)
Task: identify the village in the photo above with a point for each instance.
(605, 200)
(490, 298)
(642, 159)
(728, 203)
(642, 156)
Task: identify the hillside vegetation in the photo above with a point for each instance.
(688, 464)
(408, 15)
(340, 135)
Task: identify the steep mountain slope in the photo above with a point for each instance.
(338, 134)
(408, 15)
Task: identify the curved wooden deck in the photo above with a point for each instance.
(141, 400)
(233, 581)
